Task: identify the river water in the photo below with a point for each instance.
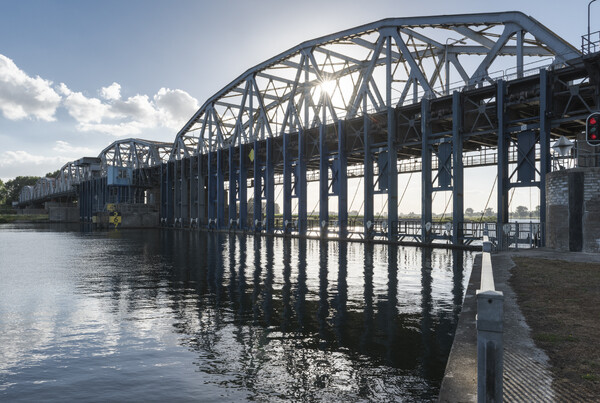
(163, 315)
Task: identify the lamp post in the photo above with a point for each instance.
(447, 62)
(588, 35)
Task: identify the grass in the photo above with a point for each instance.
(14, 218)
(561, 303)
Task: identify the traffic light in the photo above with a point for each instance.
(592, 129)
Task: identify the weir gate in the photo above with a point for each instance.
(426, 94)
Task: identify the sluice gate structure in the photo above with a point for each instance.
(430, 94)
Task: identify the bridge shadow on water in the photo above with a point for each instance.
(315, 320)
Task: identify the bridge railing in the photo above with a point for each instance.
(590, 43)
(490, 312)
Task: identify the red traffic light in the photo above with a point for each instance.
(592, 129)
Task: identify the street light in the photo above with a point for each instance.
(588, 36)
(447, 62)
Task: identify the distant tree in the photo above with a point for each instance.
(14, 186)
(522, 211)
(3, 192)
(277, 209)
(469, 211)
(488, 212)
(537, 211)
(53, 174)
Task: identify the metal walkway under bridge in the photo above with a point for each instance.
(429, 94)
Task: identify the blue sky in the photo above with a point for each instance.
(70, 69)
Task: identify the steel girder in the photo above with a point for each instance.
(345, 74)
(132, 153)
(135, 154)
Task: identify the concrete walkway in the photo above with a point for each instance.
(527, 375)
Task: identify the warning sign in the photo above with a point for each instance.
(114, 218)
(251, 155)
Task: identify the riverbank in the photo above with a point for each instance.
(551, 307)
(20, 218)
(561, 303)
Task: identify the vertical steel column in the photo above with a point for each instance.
(202, 193)
(503, 180)
(194, 199)
(163, 190)
(243, 188)
(426, 185)
(220, 191)
(545, 167)
(177, 191)
(270, 186)
(342, 182)
(392, 155)
(184, 197)
(287, 183)
(212, 187)
(258, 179)
(323, 182)
(368, 174)
(458, 203)
(301, 186)
(170, 193)
(232, 187)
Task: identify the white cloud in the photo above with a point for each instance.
(125, 117)
(112, 92)
(22, 96)
(175, 107)
(65, 149)
(12, 158)
(85, 110)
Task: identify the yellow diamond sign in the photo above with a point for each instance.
(251, 155)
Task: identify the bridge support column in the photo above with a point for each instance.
(342, 180)
(426, 185)
(220, 191)
(323, 182)
(258, 185)
(270, 187)
(212, 187)
(170, 192)
(287, 183)
(458, 215)
(503, 180)
(233, 187)
(368, 177)
(301, 185)
(177, 190)
(545, 167)
(243, 188)
(185, 194)
(392, 154)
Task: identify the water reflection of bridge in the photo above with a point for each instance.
(371, 102)
(303, 300)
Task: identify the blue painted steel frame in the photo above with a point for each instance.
(270, 186)
(368, 177)
(287, 183)
(342, 182)
(426, 185)
(243, 189)
(258, 187)
(301, 186)
(458, 215)
(323, 182)
(503, 181)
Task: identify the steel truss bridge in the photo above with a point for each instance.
(430, 94)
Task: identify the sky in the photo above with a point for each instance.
(77, 75)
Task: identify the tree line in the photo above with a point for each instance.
(10, 190)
